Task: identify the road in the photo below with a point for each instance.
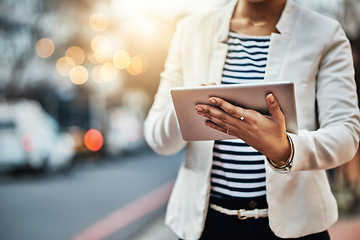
(97, 199)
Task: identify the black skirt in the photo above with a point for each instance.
(219, 226)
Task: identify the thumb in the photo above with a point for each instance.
(274, 108)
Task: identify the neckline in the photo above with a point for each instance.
(242, 35)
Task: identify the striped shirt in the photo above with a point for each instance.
(239, 170)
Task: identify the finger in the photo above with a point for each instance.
(217, 127)
(230, 109)
(274, 108)
(216, 116)
(212, 112)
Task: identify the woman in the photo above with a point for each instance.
(277, 179)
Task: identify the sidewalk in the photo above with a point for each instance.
(157, 230)
(346, 229)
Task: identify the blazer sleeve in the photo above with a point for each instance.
(161, 129)
(337, 139)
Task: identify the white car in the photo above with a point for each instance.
(29, 137)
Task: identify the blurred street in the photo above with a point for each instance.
(120, 198)
(67, 205)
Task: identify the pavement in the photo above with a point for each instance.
(346, 229)
(156, 230)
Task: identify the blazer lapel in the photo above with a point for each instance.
(217, 61)
(219, 45)
(279, 44)
(277, 49)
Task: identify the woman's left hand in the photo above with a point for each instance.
(265, 133)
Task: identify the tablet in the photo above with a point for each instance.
(249, 96)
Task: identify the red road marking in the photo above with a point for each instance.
(126, 215)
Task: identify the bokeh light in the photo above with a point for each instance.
(44, 47)
(98, 22)
(121, 59)
(98, 43)
(93, 140)
(109, 85)
(137, 65)
(95, 74)
(101, 47)
(79, 75)
(91, 57)
(76, 54)
(108, 72)
(64, 66)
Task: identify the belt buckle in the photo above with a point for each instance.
(239, 214)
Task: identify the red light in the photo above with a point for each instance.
(93, 140)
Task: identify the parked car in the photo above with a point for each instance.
(29, 137)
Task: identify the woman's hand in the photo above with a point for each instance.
(267, 134)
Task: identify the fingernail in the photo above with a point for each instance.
(271, 98)
(199, 108)
(212, 100)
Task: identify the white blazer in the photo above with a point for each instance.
(310, 50)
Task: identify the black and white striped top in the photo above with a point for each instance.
(239, 170)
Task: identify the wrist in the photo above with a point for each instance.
(284, 166)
